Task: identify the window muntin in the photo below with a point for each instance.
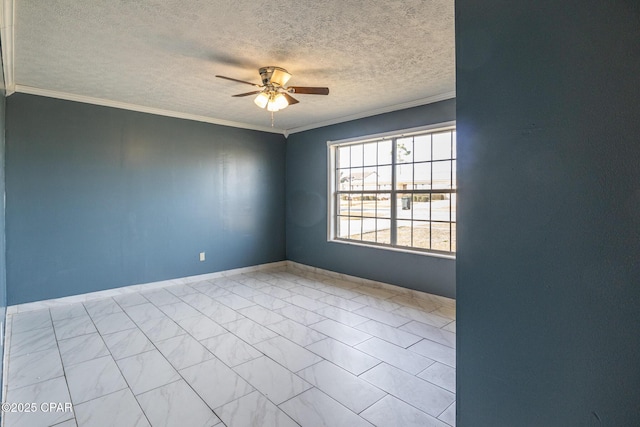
(397, 191)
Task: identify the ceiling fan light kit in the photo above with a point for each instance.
(272, 100)
(274, 95)
(262, 100)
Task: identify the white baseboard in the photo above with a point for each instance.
(447, 302)
(56, 302)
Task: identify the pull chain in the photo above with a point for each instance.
(272, 119)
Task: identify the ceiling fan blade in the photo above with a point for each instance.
(248, 93)
(290, 99)
(239, 81)
(309, 90)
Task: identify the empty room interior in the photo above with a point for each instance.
(401, 213)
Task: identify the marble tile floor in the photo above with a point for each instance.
(282, 347)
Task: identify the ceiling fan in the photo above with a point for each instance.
(273, 93)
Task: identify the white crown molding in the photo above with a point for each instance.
(142, 109)
(286, 132)
(369, 113)
(7, 34)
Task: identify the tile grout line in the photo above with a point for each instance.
(446, 409)
(64, 371)
(118, 366)
(105, 345)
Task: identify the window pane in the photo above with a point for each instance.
(404, 206)
(421, 235)
(384, 231)
(404, 150)
(370, 178)
(404, 177)
(440, 207)
(384, 178)
(454, 182)
(422, 176)
(369, 205)
(453, 237)
(403, 233)
(454, 198)
(384, 206)
(384, 152)
(421, 206)
(343, 227)
(355, 178)
(355, 226)
(344, 179)
(441, 146)
(370, 153)
(344, 204)
(422, 148)
(441, 236)
(356, 205)
(356, 155)
(441, 174)
(344, 154)
(369, 229)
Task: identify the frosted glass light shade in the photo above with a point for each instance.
(272, 106)
(281, 101)
(261, 100)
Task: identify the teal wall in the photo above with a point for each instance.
(3, 258)
(99, 198)
(548, 266)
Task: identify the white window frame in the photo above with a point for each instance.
(331, 186)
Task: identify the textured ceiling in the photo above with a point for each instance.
(164, 54)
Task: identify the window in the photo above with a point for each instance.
(395, 191)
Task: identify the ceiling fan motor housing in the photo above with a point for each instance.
(274, 76)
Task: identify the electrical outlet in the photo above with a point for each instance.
(201, 256)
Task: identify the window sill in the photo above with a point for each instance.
(393, 248)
